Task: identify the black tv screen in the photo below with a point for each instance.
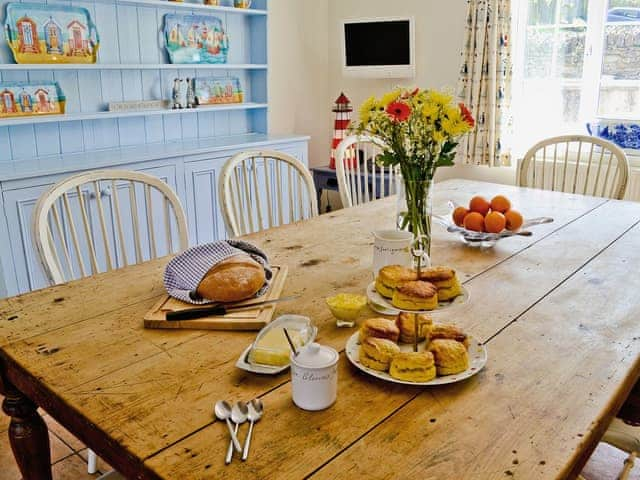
(377, 43)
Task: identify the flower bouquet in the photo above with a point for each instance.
(420, 129)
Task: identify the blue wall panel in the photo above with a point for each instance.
(131, 34)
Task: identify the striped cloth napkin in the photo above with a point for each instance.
(185, 271)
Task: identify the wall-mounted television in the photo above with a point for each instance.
(379, 47)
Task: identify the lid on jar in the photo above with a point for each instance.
(315, 355)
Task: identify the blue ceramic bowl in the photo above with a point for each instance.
(623, 134)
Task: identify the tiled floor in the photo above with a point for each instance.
(68, 454)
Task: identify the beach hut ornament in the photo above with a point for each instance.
(342, 110)
(8, 104)
(49, 33)
(28, 41)
(53, 36)
(25, 102)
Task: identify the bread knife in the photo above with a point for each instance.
(219, 309)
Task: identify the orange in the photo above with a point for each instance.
(500, 203)
(458, 215)
(474, 221)
(494, 222)
(514, 219)
(479, 204)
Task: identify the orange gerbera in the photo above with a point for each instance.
(467, 116)
(398, 111)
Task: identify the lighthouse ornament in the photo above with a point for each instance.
(342, 109)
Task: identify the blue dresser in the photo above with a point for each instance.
(186, 148)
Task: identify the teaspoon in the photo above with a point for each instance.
(223, 412)
(238, 415)
(255, 413)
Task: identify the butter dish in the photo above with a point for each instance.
(269, 353)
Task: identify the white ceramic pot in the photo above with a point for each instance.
(314, 377)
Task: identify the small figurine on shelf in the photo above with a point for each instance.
(175, 94)
(212, 3)
(242, 3)
(191, 97)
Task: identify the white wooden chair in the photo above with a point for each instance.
(576, 164)
(360, 178)
(626, 438)
(90, 223)
(264, 189)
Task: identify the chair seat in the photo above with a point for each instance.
(606, 463)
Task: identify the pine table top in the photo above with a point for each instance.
(558, 312)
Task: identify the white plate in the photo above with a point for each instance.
(477, 360)
(243, 363)
(383, 305)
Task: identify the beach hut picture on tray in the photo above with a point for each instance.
(45, 33)
(19, 99)
(195, 39)
(216, 90)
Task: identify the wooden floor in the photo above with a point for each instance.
(68, 454)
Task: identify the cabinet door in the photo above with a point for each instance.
(19, 206)
(203, 211)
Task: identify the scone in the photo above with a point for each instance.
(443, 330)
(415, 295)
(377, 353)
(440, 276)
(450, 356)
(391, 276)
(379, 328)
(445, 280)
(406, 324)
(413, 366)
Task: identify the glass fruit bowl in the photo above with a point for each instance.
(484, 239)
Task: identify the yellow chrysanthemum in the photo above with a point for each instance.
(438, 136)
(389, 97)
(430, 112)
(439, 98)
(367, 108)
(452, 123)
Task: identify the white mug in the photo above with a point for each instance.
(391, 247)
(314, 377)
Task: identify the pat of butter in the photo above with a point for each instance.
(273, 349)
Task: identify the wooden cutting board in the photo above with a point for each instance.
(254, 319)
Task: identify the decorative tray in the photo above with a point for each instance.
(217, 90)
(18, 99)
(49, 33)
(477, 360)
(195, 39)
(384, 306)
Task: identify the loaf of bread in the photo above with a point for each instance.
(237, 278)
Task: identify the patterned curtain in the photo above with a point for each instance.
(485, 82)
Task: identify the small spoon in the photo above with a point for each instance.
(255, 413)
(223, 412)
(239, 414)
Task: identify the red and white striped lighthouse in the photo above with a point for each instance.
(342, 109)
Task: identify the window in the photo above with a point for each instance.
(574, 61)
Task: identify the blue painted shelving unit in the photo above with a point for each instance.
(133, 65)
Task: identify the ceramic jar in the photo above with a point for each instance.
(242, 3)
(314, 377)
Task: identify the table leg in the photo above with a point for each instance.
(27, 433)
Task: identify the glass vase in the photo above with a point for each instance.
(413, 213)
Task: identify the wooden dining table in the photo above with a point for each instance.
(558, 312)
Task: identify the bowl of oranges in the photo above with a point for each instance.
(483, 222)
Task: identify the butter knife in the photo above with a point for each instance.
(220, 309)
